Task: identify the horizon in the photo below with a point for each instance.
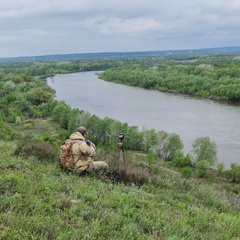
(119, 52)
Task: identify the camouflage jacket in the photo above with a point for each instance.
(82, 153)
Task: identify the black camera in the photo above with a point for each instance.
(120, 137)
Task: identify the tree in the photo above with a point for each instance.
(149, 138)
(204, 149)
(17, 79)
(39, 95)
(73, 120)
(61, 113)
(168, 145)
(8, 87)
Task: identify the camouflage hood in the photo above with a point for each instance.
(77, 136)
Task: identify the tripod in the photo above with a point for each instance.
(120, 149)
(117, 173)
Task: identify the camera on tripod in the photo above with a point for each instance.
(120, 137)
(120, 147)
(120, 140)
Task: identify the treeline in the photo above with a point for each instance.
(43, 69)
(215, 77)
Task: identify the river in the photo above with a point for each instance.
(184, 115)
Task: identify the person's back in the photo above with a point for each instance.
(84, 151)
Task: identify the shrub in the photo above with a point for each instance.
(128, 174)
(136, 175)
(220, 169)
(27, 126)
(151, 157)
(235, 172)
(41, 150)
(182, 161)
(18, 120)
(202, 168)
(7, 133)
(186, 172)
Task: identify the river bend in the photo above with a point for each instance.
(187, 116)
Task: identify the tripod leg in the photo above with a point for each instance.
(123, 155)
(118, 159)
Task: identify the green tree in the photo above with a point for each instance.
(149, 138)
(61, 113)
(8, 87)
(204, 149)
(17, 79)
(73, 120)
(48, 107)
(39, 95)
(168, 145)
(134, 138)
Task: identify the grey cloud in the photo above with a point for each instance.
(45, 27)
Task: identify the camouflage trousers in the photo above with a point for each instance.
(97, 165)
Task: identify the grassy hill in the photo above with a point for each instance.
(38, 200)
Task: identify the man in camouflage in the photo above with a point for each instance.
(84, 151)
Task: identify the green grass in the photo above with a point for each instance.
(40, 201)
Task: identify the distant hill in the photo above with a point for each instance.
(79, 56)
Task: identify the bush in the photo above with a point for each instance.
(182, 161)
(27, 126)
(18, 121)
(235, 172)
(7, 133)
(151, 157)
(220, 169)
(186, 172)
(41, 150)
(128, 174)
(202, 168)
(138, 175)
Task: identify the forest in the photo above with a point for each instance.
(216, 77)
(43, 199)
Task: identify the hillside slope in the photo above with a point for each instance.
(40, 201)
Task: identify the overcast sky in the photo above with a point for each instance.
(30, 28)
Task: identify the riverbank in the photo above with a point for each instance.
(189, 117)
(210, 78)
